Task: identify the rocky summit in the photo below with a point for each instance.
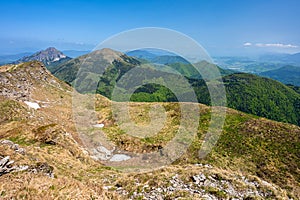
(48, 56)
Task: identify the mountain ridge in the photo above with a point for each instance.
(101, 74)
(287, 74)
(255, 148)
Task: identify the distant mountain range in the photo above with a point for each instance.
(4, 59)
(49, 56)
(158, 57)
(283, 58)
(14, 58)
(259, 64)
(141, 54)
(287, 75)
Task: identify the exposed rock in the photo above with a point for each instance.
(47, 56)
(98, 125)
(209, 186)
(17, 81)
(199, 178)
(13, 146)
(119, 157)
(44, 168)
(32, 105)
(6, 165)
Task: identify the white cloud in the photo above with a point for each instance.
(247, 44)
(277, 45)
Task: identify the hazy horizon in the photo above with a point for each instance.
(223, 28)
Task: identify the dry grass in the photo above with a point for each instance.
(245, 140)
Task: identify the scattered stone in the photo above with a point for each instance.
(107, 187)
(208, 166)
(13, 146)
(197, 179)
(98, 125)
(101, 153)
(21, 168)
(6, 165)
(32, 105)
(119, 157)
(211, 187)
(44, 168)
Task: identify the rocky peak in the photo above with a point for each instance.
(47, 56)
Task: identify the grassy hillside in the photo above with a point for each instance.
(250, 151)
(87, 69)
(189, 70)
(262, 147)
(262, 97)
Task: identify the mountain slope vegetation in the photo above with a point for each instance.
(250, 151)
(262, 97)
(287, 75)
(245, 92)
(92, 66)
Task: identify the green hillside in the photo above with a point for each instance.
(245, 92)
(263, 97)
(87, 70)
(287, 75)
(189, 71)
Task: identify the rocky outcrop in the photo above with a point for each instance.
(202, 187)
(208, 183)
(15, 87)
(6, 165)
(18, 81)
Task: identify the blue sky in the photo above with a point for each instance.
(228, 27)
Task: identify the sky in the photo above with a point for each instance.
(222, 27)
